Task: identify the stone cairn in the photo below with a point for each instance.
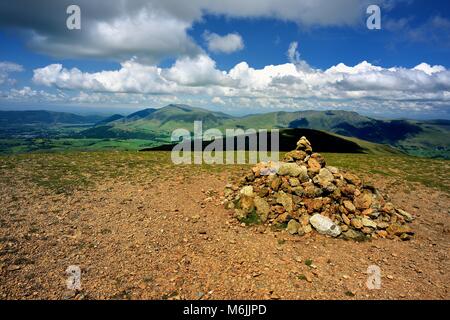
(301, 193)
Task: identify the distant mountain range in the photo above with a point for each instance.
(422, 138)
(43, 117)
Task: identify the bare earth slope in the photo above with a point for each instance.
(142, 228)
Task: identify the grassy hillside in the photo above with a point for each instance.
(15, 146)
(421, 138)
(319, 120)
(157, 123)
(322, 142)
(22, 130)
(288, 137)
(432, 141)
(65, 172)
(112, 118)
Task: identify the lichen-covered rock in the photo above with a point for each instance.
(293, 226)
(247, 191)
(247, 203)
(292, 170)
(398, 230)
(314, 165)
(356, 223)
(408, 217)
(333, 170)
(382, 225)
(363, 201)
(240, 214)
(294, 155)
(354, 235)
(352, 179)
(349, 206)
(366, 222)
(285, 200)
(294, 182)
(275, 183)
(304, 144)
(324, 178)
(319, 158)
(262, 208)
(304, 219)
(345, 219)
(307, 228)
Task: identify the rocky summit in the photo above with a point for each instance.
(302, 194)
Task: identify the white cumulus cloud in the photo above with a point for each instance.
(218, 100)
(6, 68)
(292, 53)
(154, 30)
(229, 43)
(273, 85)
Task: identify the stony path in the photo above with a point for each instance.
(171, 239)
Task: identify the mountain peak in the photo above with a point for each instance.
(140, 114)
(179, 105)
(183, 107)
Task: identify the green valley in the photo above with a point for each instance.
(30, 131)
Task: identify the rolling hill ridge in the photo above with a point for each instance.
(421, 138)
(43, 117)
(151, 127)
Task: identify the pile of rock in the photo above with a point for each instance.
(303, 194)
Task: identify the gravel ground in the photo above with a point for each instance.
(169, 237)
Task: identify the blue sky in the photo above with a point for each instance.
(232, 56)
(266, 40)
